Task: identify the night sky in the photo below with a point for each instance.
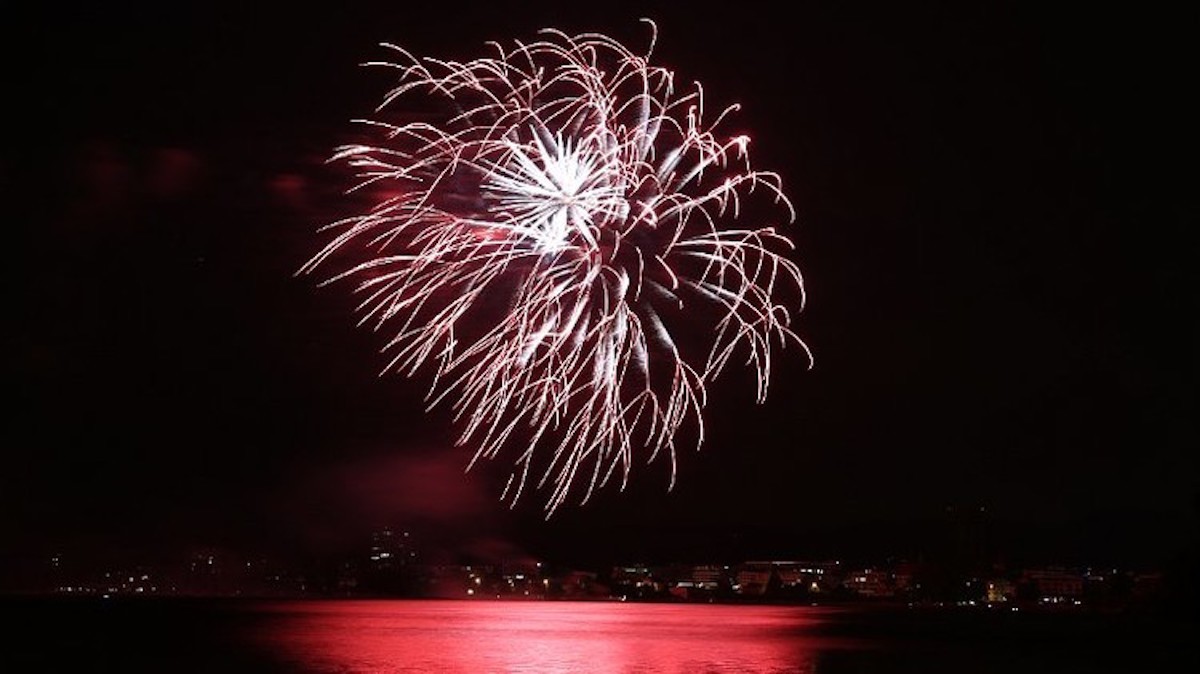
(991, 222)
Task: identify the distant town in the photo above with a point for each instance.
(391, 564)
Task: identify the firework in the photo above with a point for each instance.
(547, 238)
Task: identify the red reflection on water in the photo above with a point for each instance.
(477, 637)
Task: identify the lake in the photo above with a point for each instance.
(475, 637)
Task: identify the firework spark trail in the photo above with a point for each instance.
(571, 204)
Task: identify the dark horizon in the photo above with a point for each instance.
(990, 223)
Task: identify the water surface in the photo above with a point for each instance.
(478, 637)
(601, 637)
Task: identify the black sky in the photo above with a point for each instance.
(992, 216)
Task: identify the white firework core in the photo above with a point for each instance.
(539, 245)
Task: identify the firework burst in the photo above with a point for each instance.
(550, 245)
